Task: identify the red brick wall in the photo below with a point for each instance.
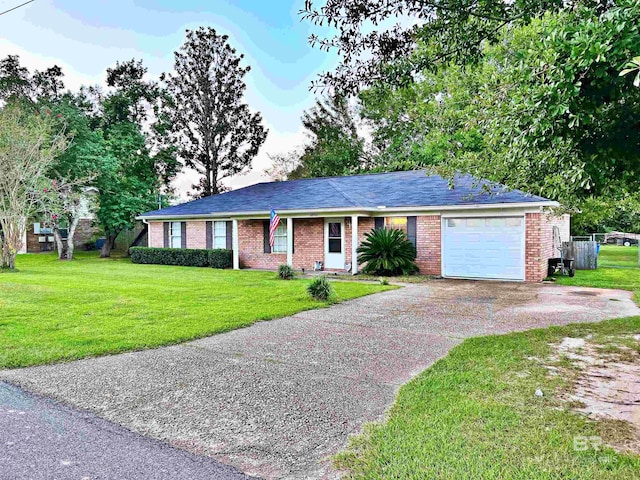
(309, 242)
(308, 235)
(429, 248)
(539, 242)
(365, 225)
(196, 234)
(251, 247)
(84, 231)
(156, 234)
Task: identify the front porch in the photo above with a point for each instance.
(301, 242)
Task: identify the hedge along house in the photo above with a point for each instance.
(460, 232)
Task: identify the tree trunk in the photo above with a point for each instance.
(59, 244)
(11, 244)
(72, 232)
(109, 243)
(8, 258)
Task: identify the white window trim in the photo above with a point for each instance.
(280, 233)
(173, 236)
(215, 237)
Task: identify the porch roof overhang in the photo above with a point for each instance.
(380, 211)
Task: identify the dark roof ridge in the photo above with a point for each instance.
(344, 194)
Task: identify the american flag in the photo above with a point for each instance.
(273, 224)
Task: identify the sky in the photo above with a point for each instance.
(86, 37)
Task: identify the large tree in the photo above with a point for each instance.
(29, 145)
(543, 109)
(333, 146)
(70, 174)
(139, 161)
(17, 83)
(374, 39)
(218, 134)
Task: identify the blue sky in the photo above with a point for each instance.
(86, 37)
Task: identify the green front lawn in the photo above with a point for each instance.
(474, 414)
(52, 310)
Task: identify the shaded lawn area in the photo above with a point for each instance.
(617, 268)
(474, 414)
(52, 310)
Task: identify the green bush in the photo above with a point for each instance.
(187, 257)
(320, 289)
(220, 258)
(387, 252)
(285, 272)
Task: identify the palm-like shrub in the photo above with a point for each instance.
(320, 289)
(387, 252)
(285, 272)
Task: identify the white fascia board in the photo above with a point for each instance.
(365, 212)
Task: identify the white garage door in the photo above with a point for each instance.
(488, 247)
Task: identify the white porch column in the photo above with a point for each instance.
(354, 244)
(235, 245)
(290, 242)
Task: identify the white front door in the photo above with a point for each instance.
(334, 243)
(483, 247)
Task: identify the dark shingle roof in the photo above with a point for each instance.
(397, 189)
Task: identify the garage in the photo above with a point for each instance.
(484, 247)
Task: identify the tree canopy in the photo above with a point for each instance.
(543, 109)
(217, 133)
(375, 39)
(140, 161)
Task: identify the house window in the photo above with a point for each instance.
(176, 235)
(219, 234)
(280, 239)
(398, 223)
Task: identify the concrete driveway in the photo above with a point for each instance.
(278, 398)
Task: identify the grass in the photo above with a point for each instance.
(53, 311)
(617, 268)
(614, 256)
(474, 414)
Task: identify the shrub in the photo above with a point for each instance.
(220, 258)
(285, 272)
(188, 257)
(384, 281)
(387, 252)
(320, 289)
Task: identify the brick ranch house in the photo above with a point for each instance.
(460, 232)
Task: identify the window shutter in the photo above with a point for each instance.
(267, 247)
(229, 235)
(412, 231)
(379, 223)
(183, 234)
(209, 234)
(167, 226)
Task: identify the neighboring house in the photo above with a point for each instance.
(464, 232)
(39, 238)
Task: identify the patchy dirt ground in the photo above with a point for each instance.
(606, 385)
